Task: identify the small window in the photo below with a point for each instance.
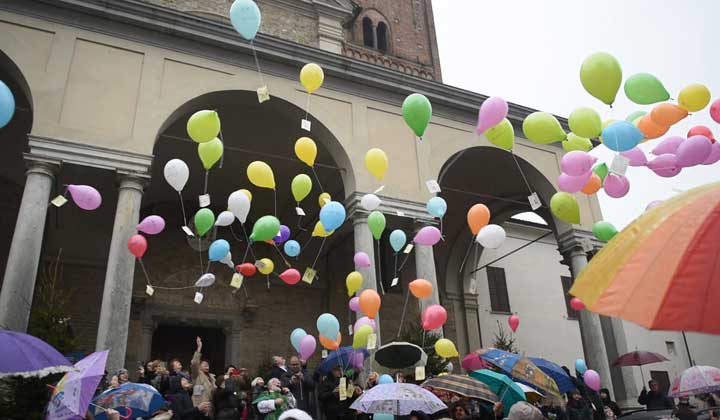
(670, 346)
(382, 37)
(566, 285)
(368, 32)
(497, 286)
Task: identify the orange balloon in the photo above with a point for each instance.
(369, 303)
(667, 114)
(421, 288)
(593, 185)
(330, 344)
(650, 128)
(478, 217)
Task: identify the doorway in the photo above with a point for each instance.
(175, 341)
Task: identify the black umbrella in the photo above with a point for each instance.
(400, 355)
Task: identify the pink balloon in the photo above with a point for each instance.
(365, 321)
(591, 379)
(616, 186)
(714, 155)
(514, 322)
(354, 304)
(636, 155)
(137, 244)
(701, 130)
(693, 151)
(715, 111)
(653, 204)
(492, 111)
(577, 304)
(433, 317)
(665, 165)
(573, 184)
(429, 235)
(152, 225)
(577, 163)
(85, 196)
(307, 346)
(290, 276)
(668, 145)
(361, 259)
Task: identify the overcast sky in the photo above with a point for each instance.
(529, 52)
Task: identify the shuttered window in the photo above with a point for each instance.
(499, 301)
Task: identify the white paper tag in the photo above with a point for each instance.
(619, 165)
(149, 290)
(432, 186)
(263, 94)
(309, 275)
(237, 280)
(394, 282)
(534, 201)
(324, 354)
(419, 373)
(372, 341)
(198, 297)
(299, 211)
(350, 330)
(350, 389)
(342, 389)
(204, 200)
(305, 125)
(400, 213)
(260, 264)
(472, 288)
(379, 189)
(59, 201)
(188, 231)
(408, 249)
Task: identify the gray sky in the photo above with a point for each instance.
(530, 52)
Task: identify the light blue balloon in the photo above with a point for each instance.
(383, 416)
(245, 18)
(218, 250)
(385, 379)
(397, 240)
(295, 336)
(437, 207)
(621, 136)
(580, 366)
(7, 104)
(292, 248)
(332, 216)
(328, 326)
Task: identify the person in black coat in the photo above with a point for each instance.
(301, 385)
(329, 396)
(605, 397)
(578, 407)
(181, 402)
(279, 370)
(655, 399)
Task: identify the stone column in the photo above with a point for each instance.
(425, 269)
(117, 294)
(22, 265)
(624, 386)
(364, 242)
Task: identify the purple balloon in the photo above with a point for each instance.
(283, 235)
(693, 151)
(361, 260)
(492, 111)
(592, 379)
(636, 155)
(354, 304)
(616, 186)
(357, 359)
(573, 184)
(714, 155)
(364, 321)
(152, 225)
(665, 165)
(307, 346)
(653, 204)
(577, 163)
(429, 235)
(85, 196)
(667, 145)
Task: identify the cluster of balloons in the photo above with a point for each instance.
(487, 235)
(151, 225)
(493, 122)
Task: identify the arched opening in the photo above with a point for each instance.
(382, 37)
(368, 36)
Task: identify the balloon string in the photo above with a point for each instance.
(147, 278)
(521, 171)
(232, 231)
(307, 107)
(402, 316)
(200, 255)
(248, 240)
(207, 172)
(379, 266)
(467, 252)
(287, 264)
(302, 248)
(275, 200)
(222, 140)
(318, 253)
(257, 62)
(396, 258)
(207, 270)
(317, 178)
(246, 252)
(405, 260)
(182, 206)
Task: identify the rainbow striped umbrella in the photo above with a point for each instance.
(663, 270)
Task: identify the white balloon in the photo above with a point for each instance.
(227, 260)
(239, 205)
(176, 174)
(206, 280)
(370, 202)
(225, 218)
(491, 236)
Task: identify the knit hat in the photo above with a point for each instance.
(524, 411)
(294, 414)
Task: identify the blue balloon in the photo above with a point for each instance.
(295, 336)
(332, 216)
(397, 240)
(218, 250)
(437, 207)
(383, 416)
(328, 326)
(7, 104)
(580, 366)
(621, 136)
(385, 379)
(245, 18)
(292, 248)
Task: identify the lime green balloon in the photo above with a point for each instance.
(565, 207)
(604, 230)
(210, 153)
(417, 111)
(502, 135)
(301, 186)
(203, 126)
(204, 220)
(265, 228)
(601, 76)
(575, 142)
(634, 116)
(376, 222)
(585, 122)
(601, 170)
(645, 89)
(360, 337)
(543, 128)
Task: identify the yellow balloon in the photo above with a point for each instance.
(319, 231)
(306, 150)
(267, 266)
(353, 282)
(323, 199)
(261, 175)
(360, 338)
(247, 193)
(376, 162)
(445, 348)
(311, 77)
(694, 97)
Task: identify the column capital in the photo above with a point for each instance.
(577, 241)
(132, 180)
(41, 165)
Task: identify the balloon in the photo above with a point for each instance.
(376, 162)
(585, 122)
(7, 104)
(218, 250)
(593, 185)
(301, 186)
(206, 280)
(306, 151)
(694, 97)
(203, 126)
(714, 111)
(354, 304)
(477, 217)
(210, 153)
(328, 325)
(330, 344)
(353, 282)
(592, 379)
(357, 360)
(397, 240)
(246, 269)
(616, 186)
(621, 135)
(265, 228)
(491, 236)
(701, 130)
(667, 145)
(296, 336)
(445, 348)
(492, 112)
(580, 366)
(320, 231)
(239, 205)
(245, 18)
(714, 155)
(362, 260)
(605, 125)
(693, 151)
(261, 175)
(247, 193)
(311, 77)
(385, 379)
(575, 142)
(543, 128)
(636, 155)
(225, 218)
(604, 230)
(577, 163)
(502, 135)
(267, 266)
(634, 116)
(421, 288)
(332, 215)
(282, 235)
(601, 171)
(436, 206)
(204, 220)
(667, 114)
(665, 165)
(370, 202)
(565, 207)
(307, 346)
(176, 174)
(573, 184)
(292, 248)
(85, 196)
(577, 304)
(364, 321)
(601, 76)
(152, 225)
(376, 223)
(323, 199)
(360, 338)
(428, 235)
(514, 322)
(645, 89)
(433, 317)
(370, 303)
(650, 129)
(137, 244)
(290, 276)
(417, 111)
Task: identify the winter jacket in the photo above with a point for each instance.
(302, 390)
(181, 404)
(226, 405)
(683, 412)
(655, 400)
(203, 383)
(266, 407)
(333, 408)
(579, 410)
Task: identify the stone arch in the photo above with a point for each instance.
(14, 135)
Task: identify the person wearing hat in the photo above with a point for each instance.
(523, 410)
(683, 411)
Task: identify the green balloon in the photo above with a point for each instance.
(604, 230)
(645, 89)
(543, 128)
(565, 207)
(601, 171)
(417, 111)
(634, 116)
(204, 221)
(601, 76)
(585, 122)
(575, 142)
(210, 153)
(301, 186)
(376, 222)
(265, 228)
(502, 135)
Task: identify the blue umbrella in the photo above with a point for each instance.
(522, 370)
(504, 387)
(563, 381)
(340, 357)
(142, 399)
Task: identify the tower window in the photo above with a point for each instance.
(382, 37)
(368, 40)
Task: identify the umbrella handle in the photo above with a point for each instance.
(129, 413)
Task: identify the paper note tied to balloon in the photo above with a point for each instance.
(237, 280)
(309, 275)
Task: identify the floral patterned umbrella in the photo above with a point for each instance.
(696, 380)
(398, 399)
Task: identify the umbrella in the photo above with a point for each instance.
(398, 399)
(142, 399)
(561, 378)
(400, 355)
(523, 370)
(531, 394)
(660, 271)
(696, 380)
(501, 385)
(473, 361)
(72, 395)
(27, 356)
(340, 357)
(462, 385)
(639, 358)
